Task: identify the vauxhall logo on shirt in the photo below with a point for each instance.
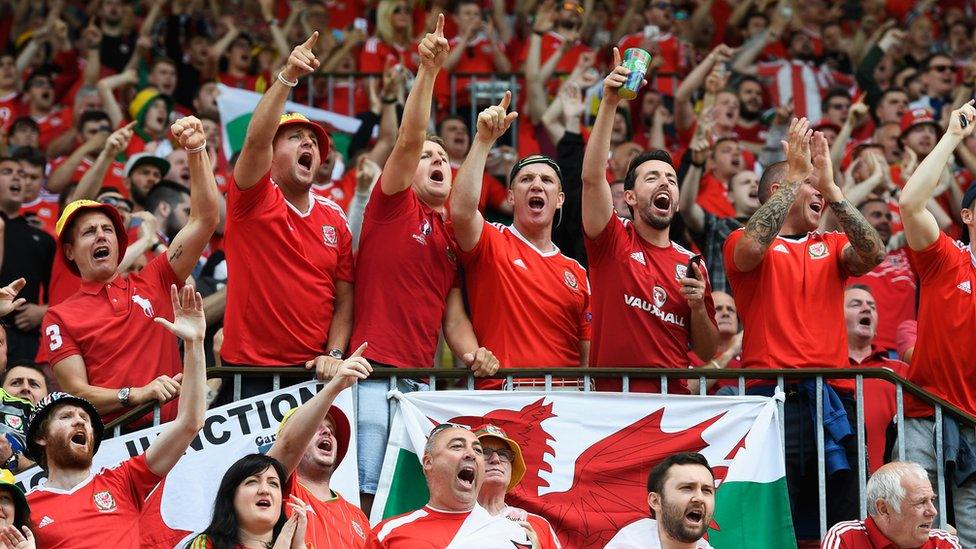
(660, 297)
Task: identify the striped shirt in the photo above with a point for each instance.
(865, 534)
(802, 83)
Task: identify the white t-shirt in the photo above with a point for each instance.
(643, 535)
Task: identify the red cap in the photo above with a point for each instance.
(916, 117)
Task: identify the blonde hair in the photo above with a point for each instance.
(384, 24)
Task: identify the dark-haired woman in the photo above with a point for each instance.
(248, 510)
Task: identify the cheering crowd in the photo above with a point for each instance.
(789, 187)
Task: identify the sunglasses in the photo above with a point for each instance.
(120, 204)
(504, 454)
(569, 6)
(446, 426)
(402, 9)
(838, 106)
(940, 68)
(663, 6)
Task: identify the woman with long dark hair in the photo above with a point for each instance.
(248, 510)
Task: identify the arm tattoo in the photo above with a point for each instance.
(174, 255)
(867, 250)
(765, 224)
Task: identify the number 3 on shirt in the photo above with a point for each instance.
(54, 332)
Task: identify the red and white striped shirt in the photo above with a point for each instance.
(802, 83)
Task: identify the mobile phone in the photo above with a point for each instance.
(360, 23)
(695, 260)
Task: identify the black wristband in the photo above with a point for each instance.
(389, 101)
(539, 33)
(702, 165)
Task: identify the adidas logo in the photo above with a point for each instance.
(781, 248)
(45, 521)
(520, 263)
(966, 287)
(638, 257)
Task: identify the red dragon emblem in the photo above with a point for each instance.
(609, 489)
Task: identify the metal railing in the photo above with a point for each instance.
(663, 375)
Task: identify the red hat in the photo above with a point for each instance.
(78, 207)
(854, 148)
(295, 119)
(826, 123)
(917, 117)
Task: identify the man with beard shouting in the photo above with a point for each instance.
(78, 508)
(644, 293)
(681, 495)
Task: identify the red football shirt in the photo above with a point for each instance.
(53, 125)
(713, 197)
(530, 308)
(640, 316)
(376, 54)
(282, 269)
(10, 107)
(340, 190)
(879, 403)
(114, 177)
(551, 42)
(44, 208)
(944, 362)
(893, 285)
(864, 534)
(792, 304)
(251, 82)
(477, 58)
(102, 511)
(334, 523)
(111, 326)
(429, 528)
(400, 313)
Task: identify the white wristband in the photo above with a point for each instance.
(285, 81)
(197, 149)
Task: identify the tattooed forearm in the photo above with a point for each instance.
(175, 254)
(867, 249)
(765, 224)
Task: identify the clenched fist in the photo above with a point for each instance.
(189, 133)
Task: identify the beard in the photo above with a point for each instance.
(69, 456)
(674, 524)
(749, 115)
(656, 221)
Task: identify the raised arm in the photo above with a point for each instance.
(188, 244)
(467, 220)
(91, 182)
(189, 325)
(403, 161)
(765, 224)
(597, 200)
(865, 250)
(297, 432)
(691, 212)
(921, 228)
(684, 113)
(255, 158)
(106, 90)
(462, 340)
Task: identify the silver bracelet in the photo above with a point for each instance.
(285, 81)
(197, 149)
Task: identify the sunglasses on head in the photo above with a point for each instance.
(446, 426)
(120, 204)
(569, 6)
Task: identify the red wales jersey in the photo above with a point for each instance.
(334, 523)
(943, 364)
(429, 528)
(282, 266)
(864, 534)
(111, 327)
(543, 297)
(114, 177)
(792, 303)
(53, 125)
(10, 106)
(879, 408)
(45, 209)
(893, 285)
(640, 317)
(400, 312)
(102, 511)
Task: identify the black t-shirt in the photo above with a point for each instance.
(28, 252)
(115, 51)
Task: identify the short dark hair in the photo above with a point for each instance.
(659, 473)
(832, 93)
(627, 122)
(165, 191)
(458, 117)
(752, 15)
(459, 3)
(869, 200)
(646, 156)
(23, 363)
(859, 287)
(39, 73)
(92, 116)
(773, 174)
(32, 156)
(164, 61)
(928, 59)
(23, 121)
(747, 78)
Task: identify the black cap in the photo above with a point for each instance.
(534, 159)
(969, 196)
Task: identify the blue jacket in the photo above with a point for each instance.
(835, 424)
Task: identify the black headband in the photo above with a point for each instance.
(534, 159)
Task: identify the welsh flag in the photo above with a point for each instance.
(236, 106)
(588, 456)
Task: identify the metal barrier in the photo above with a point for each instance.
(586, 375)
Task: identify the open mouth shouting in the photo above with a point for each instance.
(437, 175)
(79, 438)
(305, 160)
(16, 189)
(263, 503)
(817, 206)
(695, 518)
(537, 203)
(465, 477)
(101, 252)
(661, 201)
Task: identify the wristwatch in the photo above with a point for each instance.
(124, 396)
(336, 353)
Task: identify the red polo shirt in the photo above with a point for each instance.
(110, 325)
(879, 402)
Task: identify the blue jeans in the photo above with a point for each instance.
(373, 426)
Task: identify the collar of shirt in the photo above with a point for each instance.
(92, 287)
(877, 538)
